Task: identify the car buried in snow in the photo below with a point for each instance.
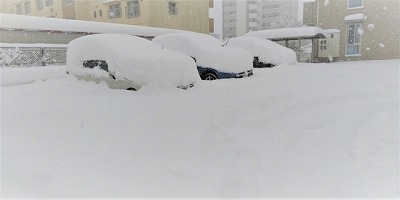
(213, 61)
(265, 52)
(128, 62)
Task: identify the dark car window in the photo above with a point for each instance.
(96, 63)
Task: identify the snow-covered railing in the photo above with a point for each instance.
(21, 55)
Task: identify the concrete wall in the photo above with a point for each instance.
(27, 37)
(377, 43)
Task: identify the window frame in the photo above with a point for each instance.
(68, 2)
(172, 10)
(358, 7)
(27, 9)
(117, 8)
(135, 4)
(39, 6)
(48, 2)
(356, 32)
(18, 9)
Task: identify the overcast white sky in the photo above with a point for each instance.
(216, 13)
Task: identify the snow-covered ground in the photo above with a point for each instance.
(309, 130)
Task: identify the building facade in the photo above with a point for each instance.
(189, 15)
(309, 14)
(242, 16)
(369, 29)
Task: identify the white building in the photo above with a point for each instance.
(242, 16)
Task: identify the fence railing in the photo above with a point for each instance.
(26, 55)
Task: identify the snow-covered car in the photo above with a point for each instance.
(213, 61)
(128, 62)
(265, 52)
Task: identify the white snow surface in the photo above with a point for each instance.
(9, 21)
(26, 75)
(280, 33)
(354, 17)
(132, 58)
(266, 50)
(208, 51)
(303, 131)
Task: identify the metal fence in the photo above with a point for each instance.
(27, 56)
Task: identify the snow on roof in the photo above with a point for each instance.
(358, 16)
(9, 21)
(289, 33)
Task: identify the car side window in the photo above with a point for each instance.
(96, 63)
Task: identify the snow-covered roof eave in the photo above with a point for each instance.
(355, 17)
(20, 22)
(290, 33)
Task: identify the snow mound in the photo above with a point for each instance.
(266, 50)
(208, 51)
(132, 58)
(282, 33)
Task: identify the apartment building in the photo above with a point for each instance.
(369, 29)
(242, 16)
(189, 15)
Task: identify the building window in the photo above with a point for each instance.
(67, 2)
(48, 2)
(133, 9)
(353, 39)
(172, 9)
(19, 8)
(100, 13)
(355, 3)
(114, 11)
(39, 5)
(94, 14)
(27, 7)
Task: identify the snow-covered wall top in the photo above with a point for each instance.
(332, 30)
(289, 33)
(14, 45)
(9, 21)
(358, 16)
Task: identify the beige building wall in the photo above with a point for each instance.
(380, 32)
(51, 10)
(69, 10)
(99, 12)
(190, 15)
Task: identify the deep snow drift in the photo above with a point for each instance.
(309, 130)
